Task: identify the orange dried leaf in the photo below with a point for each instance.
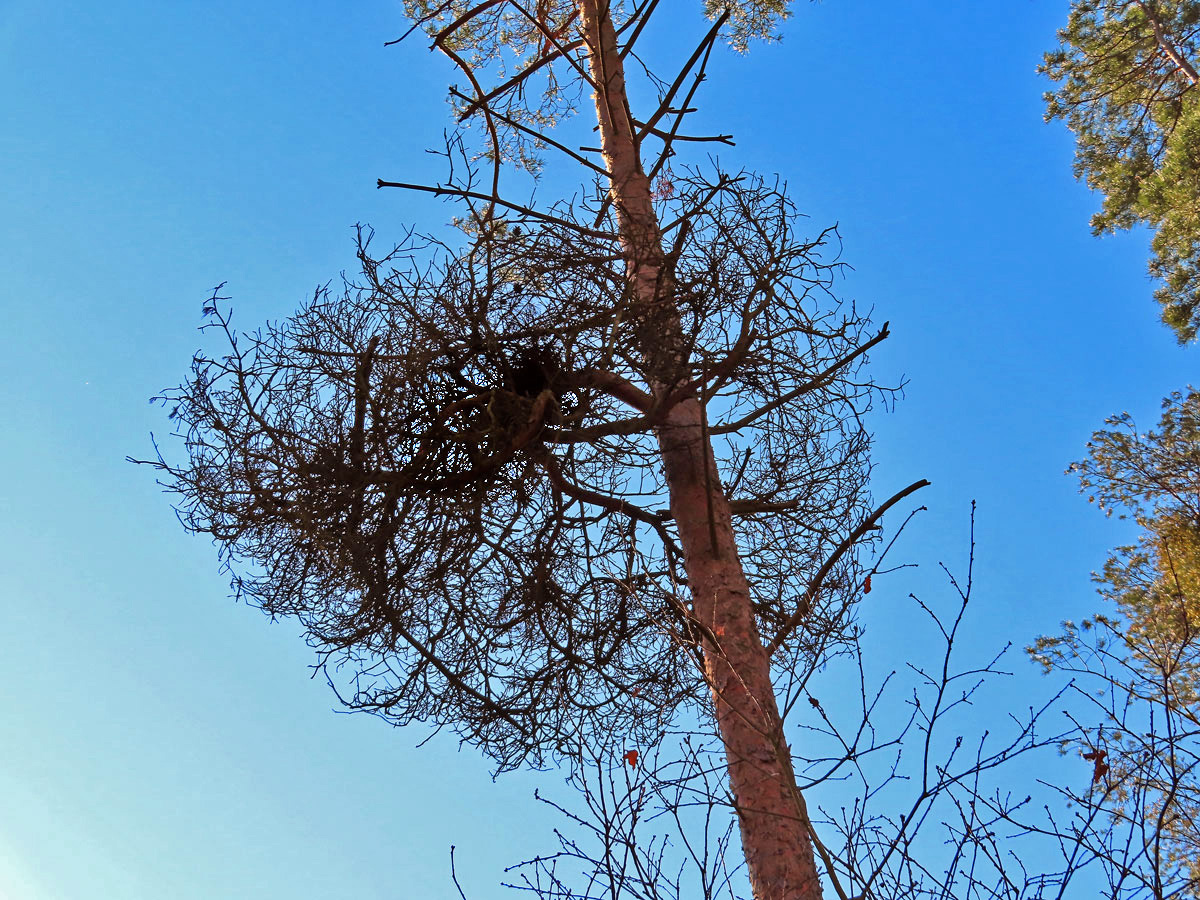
(631, 757)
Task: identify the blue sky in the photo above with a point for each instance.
(160, 740)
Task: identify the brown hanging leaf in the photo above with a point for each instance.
(1099, 766)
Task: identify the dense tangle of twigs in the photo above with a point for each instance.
(506, 563)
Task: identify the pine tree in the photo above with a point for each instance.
(1140, 662)
(1127, 88)
(604, 462)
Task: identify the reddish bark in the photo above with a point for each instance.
(774, 823)
(1165, 44)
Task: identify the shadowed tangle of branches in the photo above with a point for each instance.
(448, 471)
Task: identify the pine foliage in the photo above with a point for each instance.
(1126, 74)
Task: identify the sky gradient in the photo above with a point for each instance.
(161, 740)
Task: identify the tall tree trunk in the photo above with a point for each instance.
(774, 822)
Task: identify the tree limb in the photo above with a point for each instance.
(1165, 45)
(805, 604)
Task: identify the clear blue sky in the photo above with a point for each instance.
(160, 740)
